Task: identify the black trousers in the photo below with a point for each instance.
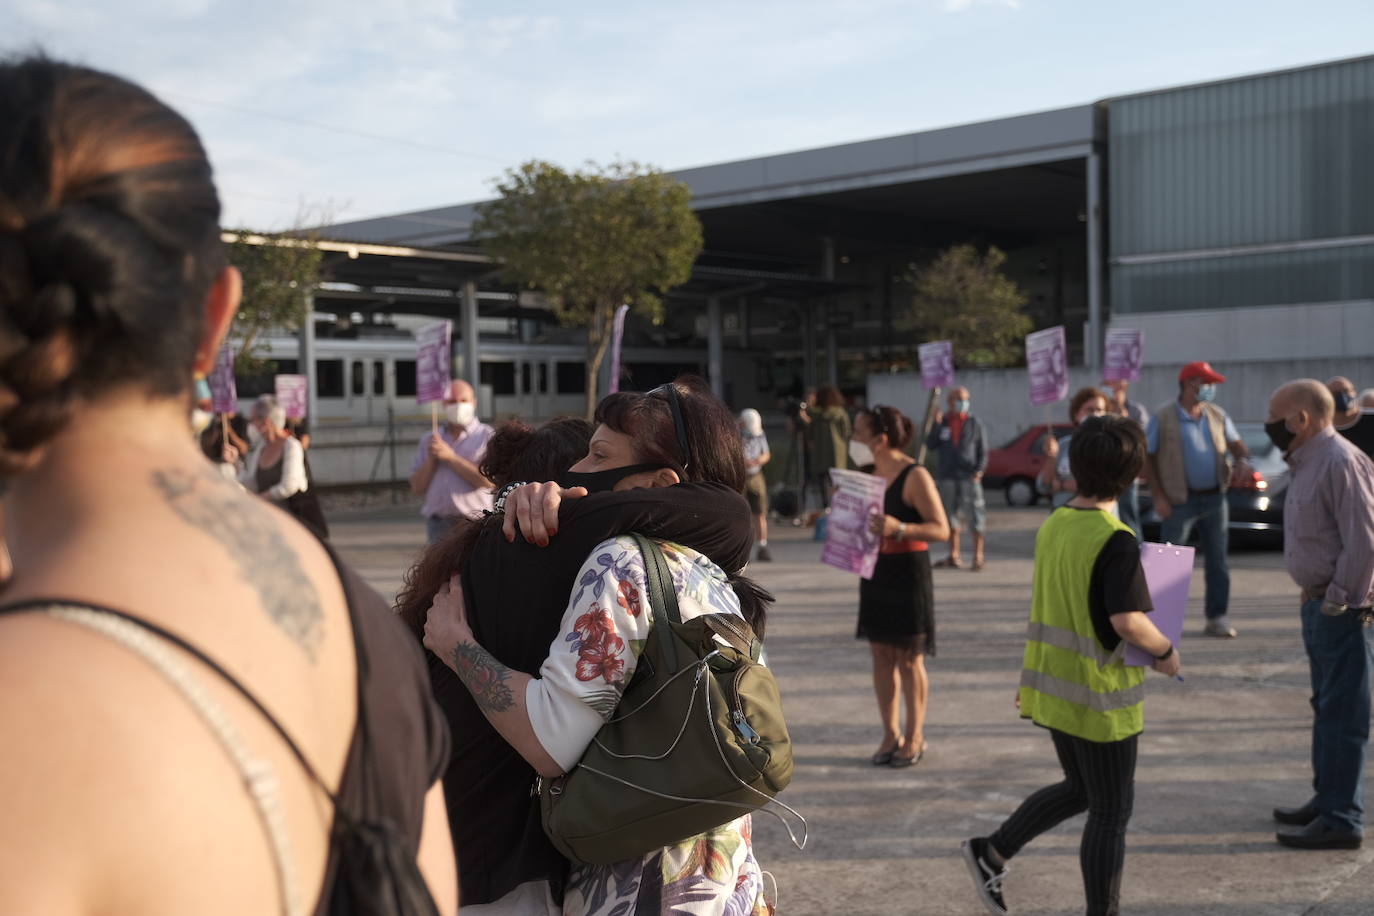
(1100, 779)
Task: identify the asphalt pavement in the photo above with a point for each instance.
(1219, 751)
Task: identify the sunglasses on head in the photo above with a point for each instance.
(669, 392)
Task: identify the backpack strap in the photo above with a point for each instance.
(662, 594)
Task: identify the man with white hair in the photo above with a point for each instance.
(756, 455)
(1328, 532)
(447, 468)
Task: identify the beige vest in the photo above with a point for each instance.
(1169, 456)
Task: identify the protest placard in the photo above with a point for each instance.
(1047, 364)
(433, 361)
(849, 544)
(291, 394)
(937, 364)
(1125, 347)
(224, 395)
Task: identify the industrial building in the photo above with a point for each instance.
(1232, 221)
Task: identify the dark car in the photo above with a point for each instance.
(1256, 507)
(1014, 466)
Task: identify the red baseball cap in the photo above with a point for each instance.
(1203, 371)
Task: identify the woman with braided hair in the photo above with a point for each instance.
(203, 711)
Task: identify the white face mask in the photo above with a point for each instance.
(460, 414)
(860, 453)
(200, 420)
(254, 437)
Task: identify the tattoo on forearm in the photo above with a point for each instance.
(484, 677)
(262, 555)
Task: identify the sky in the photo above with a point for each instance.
(320, 111)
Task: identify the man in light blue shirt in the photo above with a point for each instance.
(1192, 445)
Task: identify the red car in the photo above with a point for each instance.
(1014, 466)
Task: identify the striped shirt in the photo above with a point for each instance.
(1328, 519)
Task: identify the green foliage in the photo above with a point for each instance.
(279, 272)
(591, 241)
(964, 297)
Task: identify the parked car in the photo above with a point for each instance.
(1256, 506)
(1015, 466)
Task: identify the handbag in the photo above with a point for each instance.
(697, 740)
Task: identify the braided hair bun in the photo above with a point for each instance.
(109, 242)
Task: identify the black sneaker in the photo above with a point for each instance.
(987, 878)
(765, 556)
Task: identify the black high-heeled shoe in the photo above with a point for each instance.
(884, 758)
(898, 761)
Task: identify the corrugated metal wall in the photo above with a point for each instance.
(1283, 158)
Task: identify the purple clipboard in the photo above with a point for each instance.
(1168, 574)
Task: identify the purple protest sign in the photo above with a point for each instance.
(433, 359)
(617, 333)
(849, 544)
(1047, 363)
(224, 394)
(291, 394)
(1168, 573)
(937, 364)
(1123, 352)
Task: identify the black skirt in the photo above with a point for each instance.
(897, 606)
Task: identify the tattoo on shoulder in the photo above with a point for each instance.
(262, 555)
(484, 677)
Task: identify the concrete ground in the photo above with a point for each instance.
(1220, 749)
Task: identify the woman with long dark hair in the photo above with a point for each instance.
(677, 436)
(897, 605)
(154, 603)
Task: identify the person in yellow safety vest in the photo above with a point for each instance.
(1088, 599)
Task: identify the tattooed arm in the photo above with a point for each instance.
(498, 691)
(552, 718)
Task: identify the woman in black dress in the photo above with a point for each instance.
(896, 606)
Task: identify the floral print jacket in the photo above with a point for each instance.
(579, 685)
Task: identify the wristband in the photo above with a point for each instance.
(1165, 656)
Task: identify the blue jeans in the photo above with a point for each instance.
(1340, 656)
(1210, 513)
(1128, 507)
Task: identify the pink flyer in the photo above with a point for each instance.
(849, 545)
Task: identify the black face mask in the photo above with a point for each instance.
(1343, 402)
(602, 481)
(1279, 434)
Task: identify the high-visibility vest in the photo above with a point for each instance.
(1068, 681)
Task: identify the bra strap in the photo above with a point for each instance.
(56, 607)
(259, 777)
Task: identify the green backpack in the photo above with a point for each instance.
(697, 740)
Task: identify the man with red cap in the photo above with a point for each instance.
(1194, 454)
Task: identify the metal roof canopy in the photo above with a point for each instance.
(419, 281)
(988, 146)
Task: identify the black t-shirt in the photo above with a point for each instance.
(1117, 586)
(1361, 435)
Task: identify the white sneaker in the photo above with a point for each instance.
(1219, 627)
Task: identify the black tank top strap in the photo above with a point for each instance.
(893, 503)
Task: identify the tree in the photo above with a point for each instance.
(963, 296)
(279, 272)
(592, 241)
